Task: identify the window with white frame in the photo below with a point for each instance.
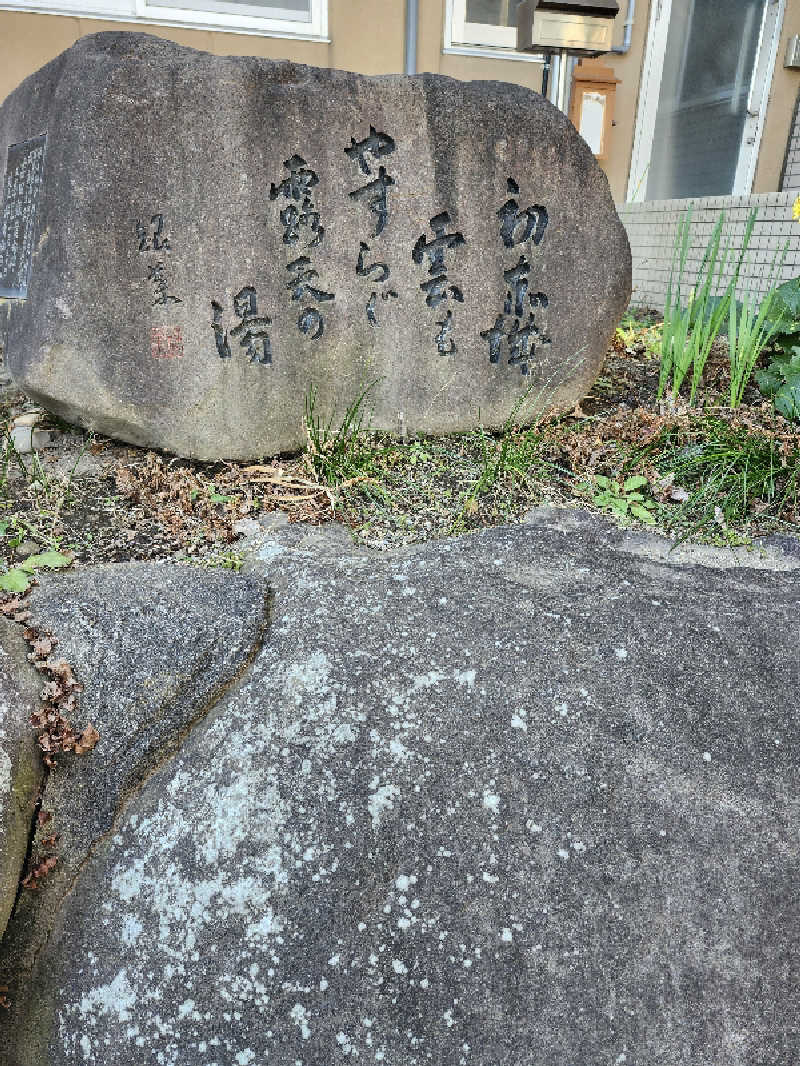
(306, 19)
(483, 24)
(706, 82)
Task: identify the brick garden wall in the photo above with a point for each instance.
(651, 228)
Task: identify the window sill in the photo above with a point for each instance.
(491, 53)
(81, 11)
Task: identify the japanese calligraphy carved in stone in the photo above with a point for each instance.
(207, 237)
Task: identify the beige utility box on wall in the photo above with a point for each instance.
(581, 27)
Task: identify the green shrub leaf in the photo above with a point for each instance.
(786, 302)
(769, 380)
(634, 482)
(14, 581)
(642, 514)
(49, 560)
(787, 401)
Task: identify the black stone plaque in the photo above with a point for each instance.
(24, 174)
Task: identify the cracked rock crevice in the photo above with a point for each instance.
(157, 647)
(21, 769)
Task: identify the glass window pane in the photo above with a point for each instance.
(274, 9)
(493, 12)
(702, 104)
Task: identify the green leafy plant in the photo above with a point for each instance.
(633, 329)
(9, 456)
(626, 330)
(213, 495)
(518, 448)
(726, 475)
(785, 313)
(19, 577)
(226, 560)
(749, 332)
(335, 455)
(781, 382)
(417, 452)
(218, 497)
(623, 498)
(35, 525)
(692, 322)
(651, 338)
(12, 531)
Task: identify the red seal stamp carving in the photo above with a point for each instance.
(166, 342)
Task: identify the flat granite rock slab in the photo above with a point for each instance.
(208, 237)
(515, 798)
(156, 645)
(21, 769)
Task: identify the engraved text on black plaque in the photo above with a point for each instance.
(23, 181)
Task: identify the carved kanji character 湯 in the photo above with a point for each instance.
(253, 329)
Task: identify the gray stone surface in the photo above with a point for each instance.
(156, 646)
(528, 796)
(21, 768)
(150, 142)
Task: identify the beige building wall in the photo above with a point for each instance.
(368, 36)
(365, 35)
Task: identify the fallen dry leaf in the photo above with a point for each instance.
(10, 606)
(39, 872)
(87, 740)
(41, 647)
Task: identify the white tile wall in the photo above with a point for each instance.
(652, 226)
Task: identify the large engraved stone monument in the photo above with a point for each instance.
(189, 242)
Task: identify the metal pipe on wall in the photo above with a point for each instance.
(562, 103)
(622, 49)
(555, 78)
(410, 51)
